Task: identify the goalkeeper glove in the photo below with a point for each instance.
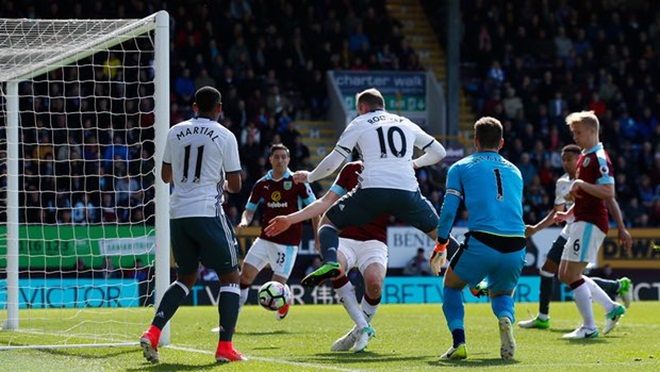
(439, 256)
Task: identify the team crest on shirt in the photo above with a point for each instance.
(586, 162)
(276, 196)
(287, 185)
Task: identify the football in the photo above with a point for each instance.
(273, 295)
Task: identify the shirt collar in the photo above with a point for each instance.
(269, 175)
(599, 146)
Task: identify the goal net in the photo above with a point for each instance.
(84, 110)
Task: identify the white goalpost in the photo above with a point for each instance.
(84, 218)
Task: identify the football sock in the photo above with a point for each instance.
(545, 292)
(452, 307)
(582, 297)
(228, 305)
(503, 306)
(346, 293)
(171, 301)
(329, 239)
(245, 290)
(369, 306)
(599, 295)
(458, 337)
(611, 287)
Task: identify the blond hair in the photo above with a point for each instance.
(584, 117)
(371, 97)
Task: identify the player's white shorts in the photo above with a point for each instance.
(361, 254)
(280, 257)
(584, 241)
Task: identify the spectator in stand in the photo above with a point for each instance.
(418, 265)
(527, 169)
(184, 87)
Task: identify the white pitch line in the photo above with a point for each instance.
(270, 360)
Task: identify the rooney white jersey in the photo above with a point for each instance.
(386, 142)
(200, 152)
(562, 196)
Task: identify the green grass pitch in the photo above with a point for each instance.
(408, 337)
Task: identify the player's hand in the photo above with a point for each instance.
(438, 257)
(575, 189)
(300, 176)
(625, 239)
(529, 230)
(561, 217)
(241, 225)
(277, 226)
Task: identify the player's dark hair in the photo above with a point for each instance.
(488, 131)
(371, 97)
(207, 98)
(571, 149)
(279, 146)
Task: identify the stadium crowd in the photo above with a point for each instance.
(528, 66)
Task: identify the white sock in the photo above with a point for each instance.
(368, 309)
(582, 297)
(599, 295)
(244, 295)
(346, 294)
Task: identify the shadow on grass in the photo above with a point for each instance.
(146, 366)
(560, 330)
(586, 341)
(351, 357)
(265, 333)
(472, 362)
(266, 348)
(90, 354)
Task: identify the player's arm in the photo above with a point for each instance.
(548, 220)
(563, 216)
(452, 201)
(623, 235)
(166, 172)
(251, 206)
(335, 158)
(234, 182)
(246, 218)
(315, 225)
(433, 150)
(232, 165)
(599, 190)
(280, 224)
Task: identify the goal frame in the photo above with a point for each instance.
(159, 23)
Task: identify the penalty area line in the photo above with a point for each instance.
(270, 360)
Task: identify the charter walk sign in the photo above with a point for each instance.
(405, 93)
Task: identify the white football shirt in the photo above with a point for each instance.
(562, 196)
(200, 151)
(386, 142)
